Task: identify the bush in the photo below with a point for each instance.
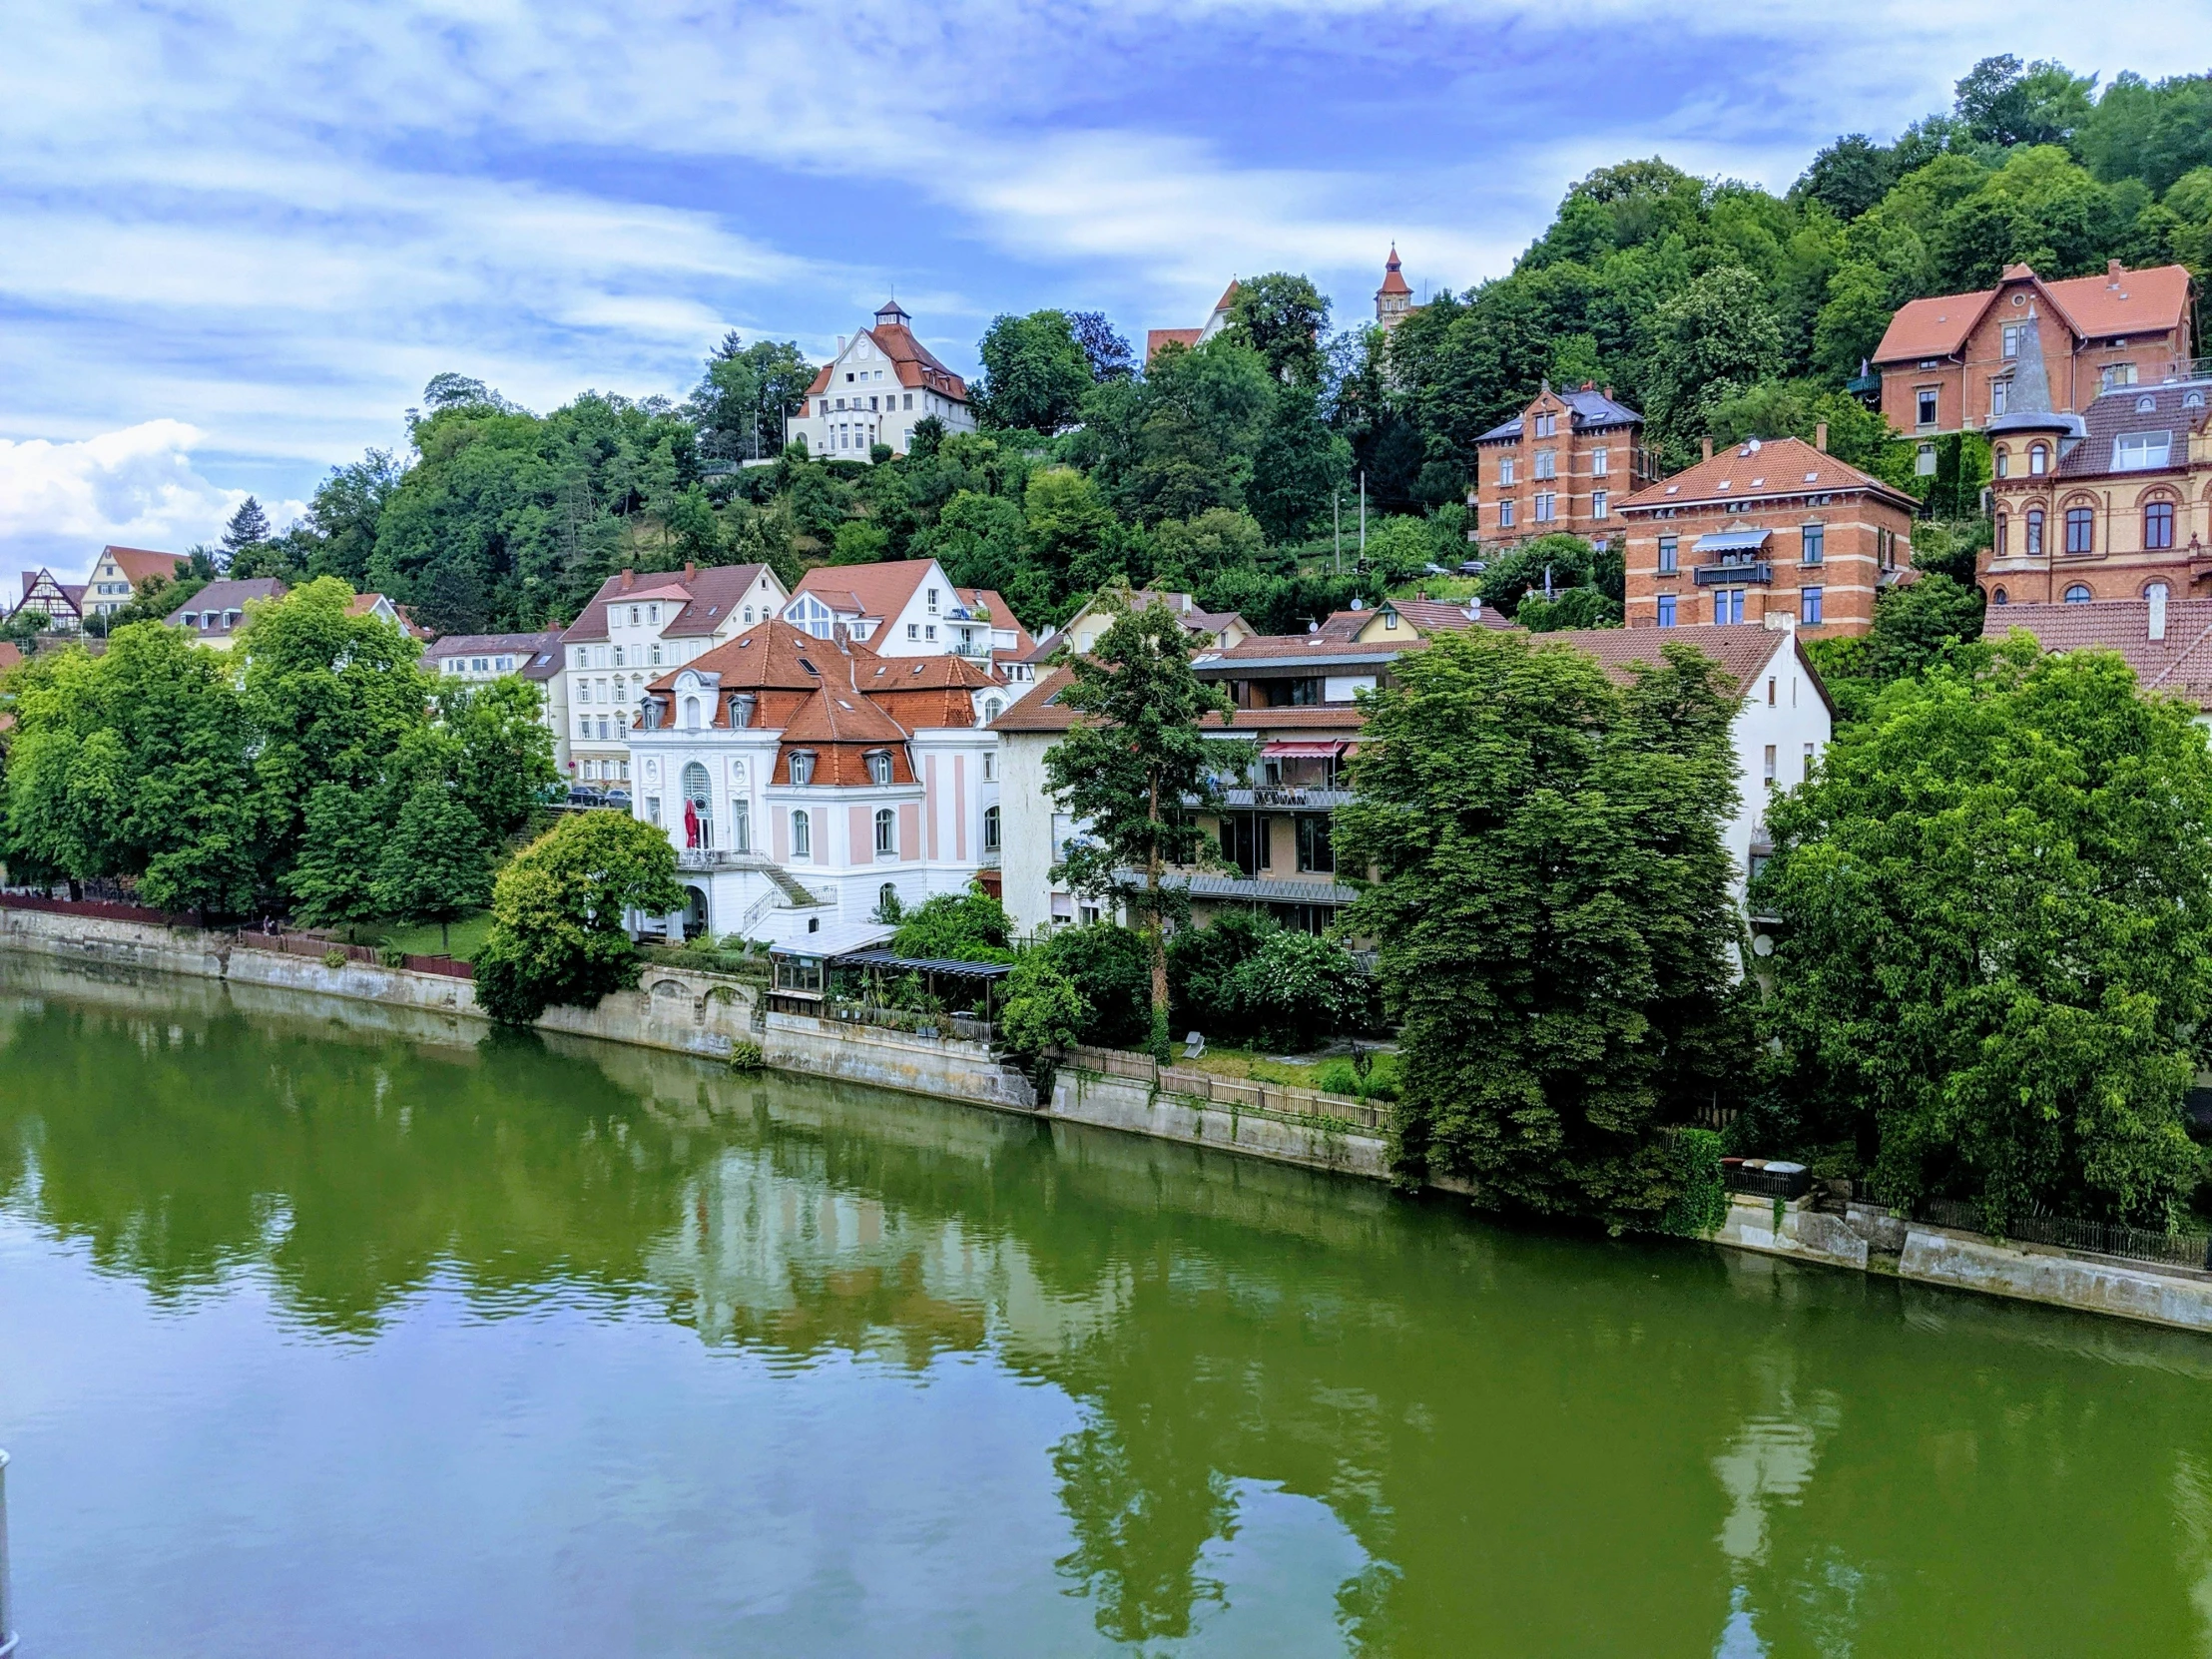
(1044, 1011)
(1300, 990)
(391, 955)
(557, 932)
(1112, 972)
(965, 928)
(746, 1056)
(1202, 963)
(1342, 1077)
(1702, 1203)
(335, 956)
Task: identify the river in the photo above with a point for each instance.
(329, 1329)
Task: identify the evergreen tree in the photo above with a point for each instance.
(249, 527)
(436, 863)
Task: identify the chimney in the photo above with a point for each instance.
(1608, 392)
(629, 580)
(2158, 613)
(2112, 272)
(1820, 436)
(691, 571)
(1708, 448)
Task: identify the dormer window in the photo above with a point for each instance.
(802, 766)
(879, 766)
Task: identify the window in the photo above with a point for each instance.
(2118, 374)
(1505, 515)
(1815, 543)
(928, 630)
(2000, 393)
(2002, 462)
(2012, 332)
(656, 656)
(2192, 399)
(1728, 605)
(913, 630)
(802, 766)
(2077, 595)
(1547, 463)
(1809, 607)
(1924, 406)
(1669, 555)
(2035, 530)
(506, 665)
(1666, 610)
(741, 825)
(2082, 534)
(1506, 469)
(992, 709)
(2001, 596)
(909, 400)
(932, 601)
(1808, 772)
(1770, 690)
(1766, 767)
(1547, 425)
(803, 837)
(1315, 851)
(1599, 462)
(1546, 507)
(879, 766)
(990, 829)
(2004, 539)
(1597, 503)
(2158, 524)
(887, 832)
(2038, 459)
(991, 767)
(2141, 451)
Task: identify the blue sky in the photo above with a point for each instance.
(236, 240)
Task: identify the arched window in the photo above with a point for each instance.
(886, 901)
(887, 832)
(2003, 535)
(803, 836)
(2001, 596)
(803, 766)
(2146, 404)
(992, 709)
(702, 800)
(2158, 524)
(2081, 530)
(2157, 591)
(2038, 459)
(2077, 595)
(2003, 462)
(690, 714)
(2035, 531)
(990, 829)
(879, 766)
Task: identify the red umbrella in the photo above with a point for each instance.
(691, 824)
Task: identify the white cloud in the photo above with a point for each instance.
(135, 488)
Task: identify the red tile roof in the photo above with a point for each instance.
(138, 563)
(1779, 466)
(1394, 278)
(2150, 301)
(706, 594)
(917, 366)
(1154, 338)
(2181, 663)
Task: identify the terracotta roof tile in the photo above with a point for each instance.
(2180, 663)
(2149, 300)
(138, 563)
(705, 594)
(1780, 466)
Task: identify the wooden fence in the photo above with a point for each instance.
(1238, 1093)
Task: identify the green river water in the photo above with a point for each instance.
(330, 1330)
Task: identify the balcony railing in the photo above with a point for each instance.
(1287, 794)
(1728, 572)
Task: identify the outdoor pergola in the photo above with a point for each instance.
(931, 968)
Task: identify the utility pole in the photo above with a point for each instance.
(1362, 519)
(1337, 513)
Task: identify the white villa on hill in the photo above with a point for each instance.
(879, 387)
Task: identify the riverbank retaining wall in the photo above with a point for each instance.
(704, 1015)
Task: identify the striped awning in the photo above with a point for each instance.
(1732, 541)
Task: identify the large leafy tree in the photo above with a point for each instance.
(1137, 771)
(1552, 902)
(1282, 318)
(1035, 372)
(436, 862)
(746, 391)
(558, 908)
(136, 764)
(1994, 970)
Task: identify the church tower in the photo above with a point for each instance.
(1394, 301)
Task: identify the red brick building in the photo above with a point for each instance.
(1948, 363)
(1780, 529)
(1563, 465)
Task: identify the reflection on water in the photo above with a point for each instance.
(329, 1328)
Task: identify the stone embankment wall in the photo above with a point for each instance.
(703, 1014)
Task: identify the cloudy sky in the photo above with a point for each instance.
(237, 239)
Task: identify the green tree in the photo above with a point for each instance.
(1297, 990)
(435, 865)
(1553, 909)
(1707, 343)
(1182, 438)
(344, 515)
(135, 764)
(1996, 965)
(1282, 317)
(971, 927)
(743, 397)
(248, 527)
(1567, 560)
(341, 847)
(1035, 373)
(1135, 773)
(557, 935)
(499, 753)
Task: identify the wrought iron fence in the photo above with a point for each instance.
(1767, 1183)
(2094, 1238)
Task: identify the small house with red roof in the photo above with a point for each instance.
(909, 607)
(806, 780)
(1216, 320)
(116, 573)
(882, 384)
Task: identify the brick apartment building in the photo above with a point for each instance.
(1775, 530)
(1948, 363)
(1563, 465)
(2108, 504)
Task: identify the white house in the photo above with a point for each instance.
(802, 781)
(879, 387)
(634, 630)
(118, 571)
(908, 608)
(479, 659)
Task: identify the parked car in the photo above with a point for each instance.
(579, 796)
(616, 797)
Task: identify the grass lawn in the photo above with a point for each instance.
(1456, 590)
(425, 940)
(1294, 1071)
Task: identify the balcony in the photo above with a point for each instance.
(1292, 796)
(1723, 573)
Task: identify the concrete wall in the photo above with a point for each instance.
(1143, 1109)
(2036, 1273)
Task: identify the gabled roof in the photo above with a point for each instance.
(2120, 412)
(1154, 338)
(228, 595)
(1437, 616)
(916, 366)
(2181, 663)
(772, 655)
(1776, 466)
(1588, 410)
(538, 656)
(878, 592)
(2113, 301)
(706, 594)
(138, 563)
(1317, 648)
